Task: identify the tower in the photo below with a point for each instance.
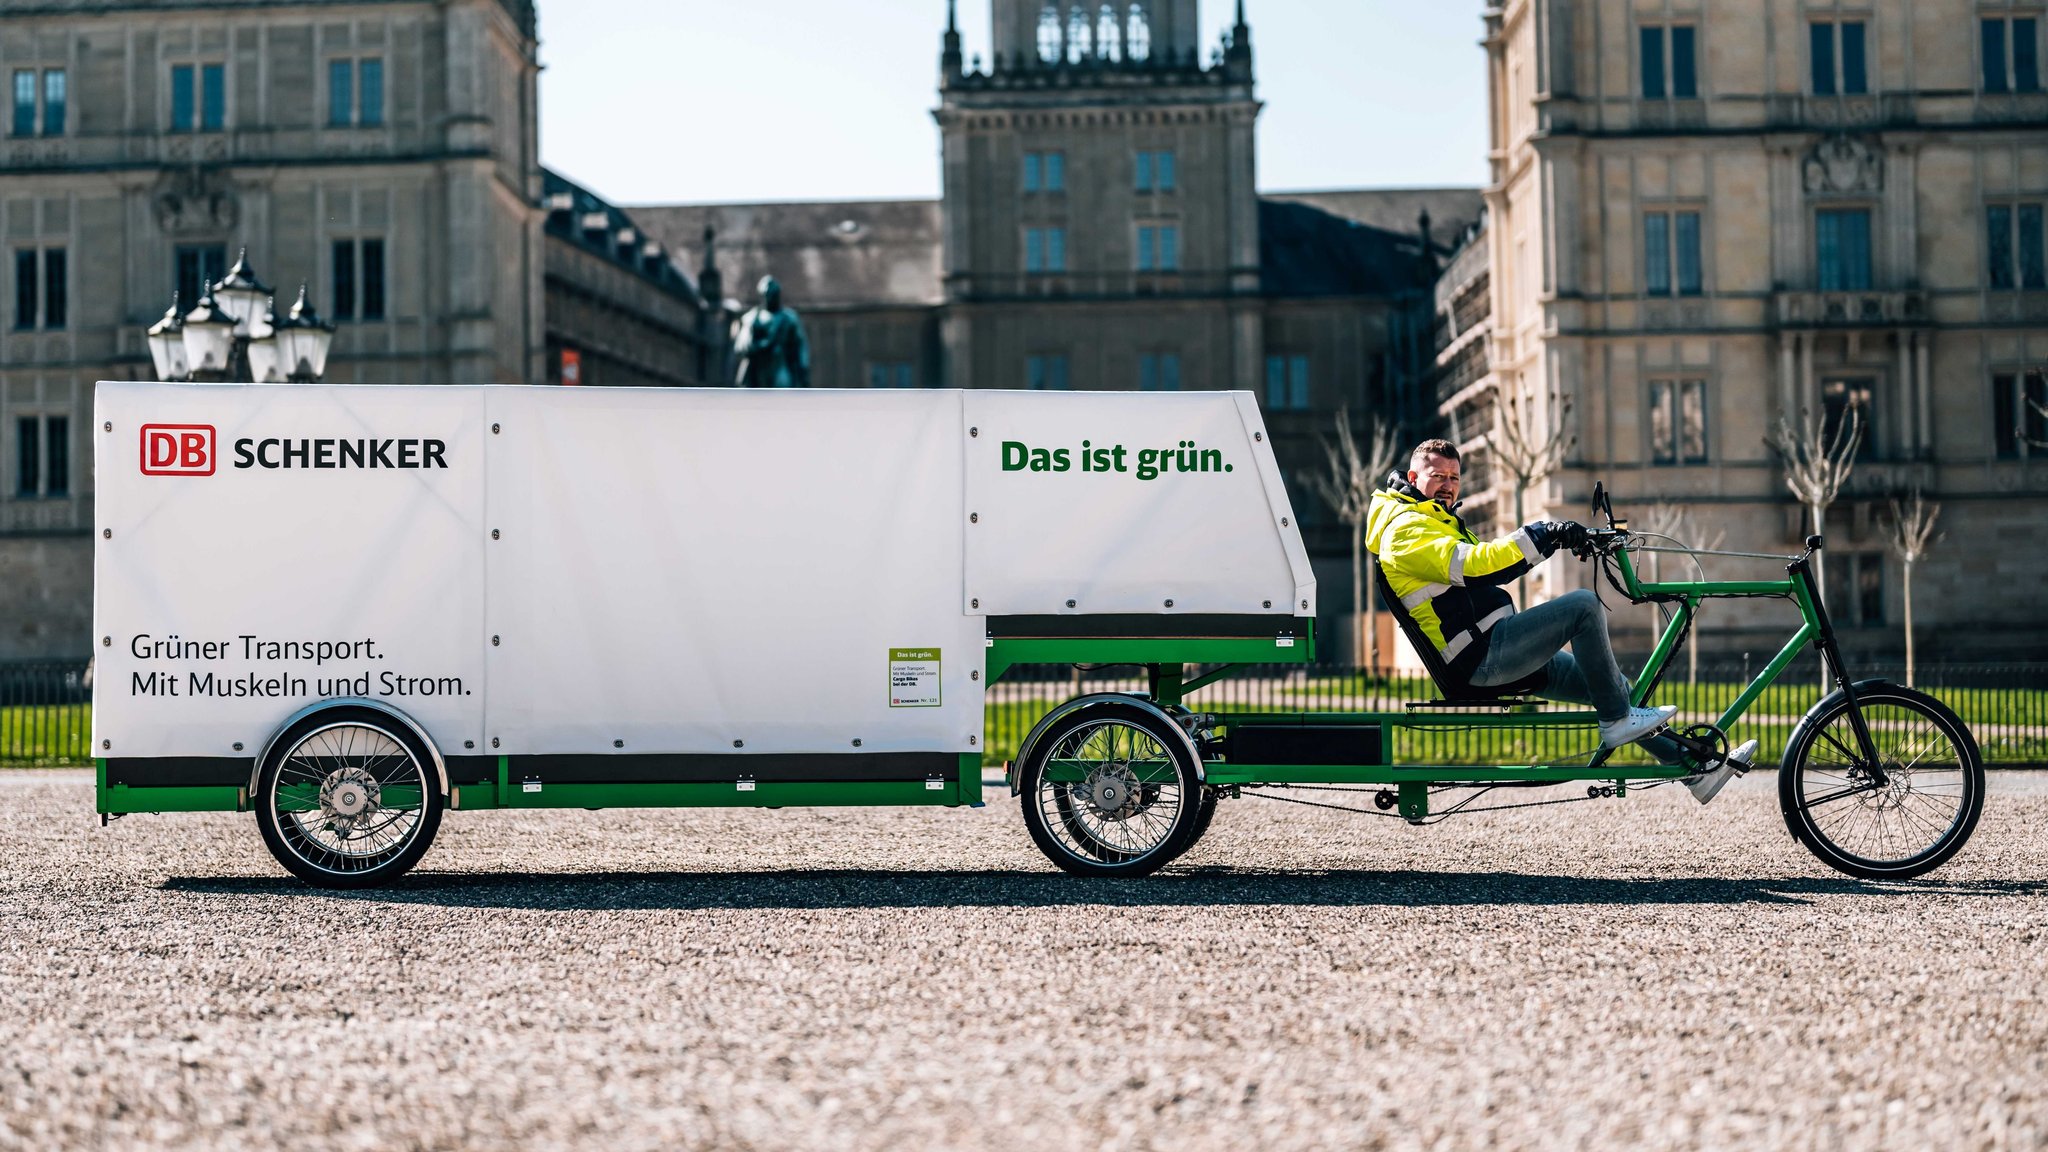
(1100, 218)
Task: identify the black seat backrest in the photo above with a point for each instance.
(1452, 685)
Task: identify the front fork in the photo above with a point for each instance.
(1831, 660)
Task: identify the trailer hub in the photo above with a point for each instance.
(349, 792)
(1113, 791)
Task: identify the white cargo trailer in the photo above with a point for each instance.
(350, 608)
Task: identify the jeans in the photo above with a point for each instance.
(1527, 641)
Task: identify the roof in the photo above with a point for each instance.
(578, 216)
(842, 253)
(1306, 251)
(1451, 210)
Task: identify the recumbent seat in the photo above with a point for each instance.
(1455, 691)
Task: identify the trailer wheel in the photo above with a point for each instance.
(1110, 792)
(348, 799)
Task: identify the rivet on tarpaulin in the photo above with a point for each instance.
(971, 741)
(974, 675)
(974, 603)
(494, 741)
(974, 431)
(494, 641)
(106, 533)
(1258, 435)
(856, 741)
(1265, 603)
(1070, 603)
(494, 533)
(105, 745)
(106, 641)
(469, 743)
(494, 429)
(974, 517)
(238, 745)
(1304, 605)
(739, 743)
(109, 426)
(1283, 521)
(618, 743)
(1169, 603)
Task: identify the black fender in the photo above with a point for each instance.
(318, 706)
(1813, 714)
(1102, 700)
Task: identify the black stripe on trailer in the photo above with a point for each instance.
(1147, 626)
(727, 768)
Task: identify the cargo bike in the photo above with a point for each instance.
(351, 611)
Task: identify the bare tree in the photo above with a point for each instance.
(1526, 443)
(1817, 464)
(1674, 521)
(1910, 532)
(1350, 473)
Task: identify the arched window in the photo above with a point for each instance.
(1077, 35)
(1108, 40)
(1138, 43)
(1049, 35)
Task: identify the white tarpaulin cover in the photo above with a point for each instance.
(540, 570)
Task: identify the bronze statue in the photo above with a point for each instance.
(770, 344)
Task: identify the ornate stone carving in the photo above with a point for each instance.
(195, 199)
(1844, 166)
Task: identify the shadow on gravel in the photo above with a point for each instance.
(990, 889)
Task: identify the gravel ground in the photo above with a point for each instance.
(1637, 972)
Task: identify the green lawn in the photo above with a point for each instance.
(44, 736)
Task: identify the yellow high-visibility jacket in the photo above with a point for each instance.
(1448, 581)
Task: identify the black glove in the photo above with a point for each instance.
(1550, 535)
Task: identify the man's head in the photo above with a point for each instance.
(771, 293)
(1433, 469)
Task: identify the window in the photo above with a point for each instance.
(1842, 249)
(1287, 383)
(24, 102)
(1667, 63)
(371, 113)
(42, 456)
(1678, 421)
(56, 288)
(1077, 36)
(181, 97)
(1159, 373)
(359, 279)
(1045, 373)
(355, 92)
(212, 92)
(1840, 397)
(1108, 37)
(1045, 250)
(197, 266)
(55, 97)
(341, 99)
(1837, 57)
(1855, 591)
(2014, 243)
(894, 374)
(1159, 248)
(1045, 172)
(2012, 54)
(1671, 241)
(1049, 35)
(41, 298)
(213, 97)
(1155, 172)
(25, 283)
(2019, 412)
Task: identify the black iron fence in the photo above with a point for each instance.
(46, 708)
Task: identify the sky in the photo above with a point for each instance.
(690, 101)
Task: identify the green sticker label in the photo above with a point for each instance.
(913, 677)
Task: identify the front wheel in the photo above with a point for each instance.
(1900, 815)
(348, 799)
(1110, 791)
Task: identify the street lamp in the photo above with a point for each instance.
(235, 329)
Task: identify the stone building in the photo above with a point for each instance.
(381, 151)
(1706, 217)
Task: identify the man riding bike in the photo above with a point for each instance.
(1451, 586)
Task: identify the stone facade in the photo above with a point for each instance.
(1706, 217)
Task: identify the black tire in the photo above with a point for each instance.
(1135, 804)
(1913, 823)
(1205, 814)
(321, 799)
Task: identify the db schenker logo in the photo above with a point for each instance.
(177, 450)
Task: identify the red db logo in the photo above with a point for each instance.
(177, 449)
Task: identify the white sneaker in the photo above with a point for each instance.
(1707, 785)
(1639, 722)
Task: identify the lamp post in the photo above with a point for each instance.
(235, 331)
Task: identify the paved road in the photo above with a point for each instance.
(1636, 972)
